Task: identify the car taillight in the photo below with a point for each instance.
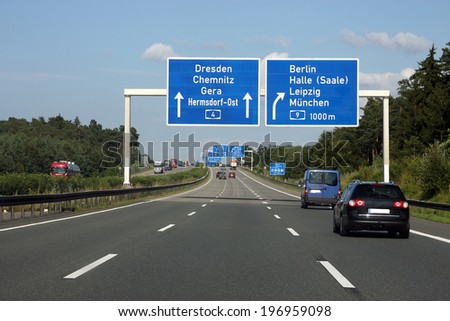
(339, 192)
(401, 204)
(353, 203)
(306, 190)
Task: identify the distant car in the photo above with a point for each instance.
(372, 206)
(232, 175)
(222, 175)
(218, 174)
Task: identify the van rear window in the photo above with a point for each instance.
(328, 178)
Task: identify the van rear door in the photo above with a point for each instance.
(324, 186)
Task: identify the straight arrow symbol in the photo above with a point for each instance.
(178, 97)
(247, 99)
(274, 106)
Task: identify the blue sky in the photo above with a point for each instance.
(75, 58)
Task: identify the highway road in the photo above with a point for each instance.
(233, 239)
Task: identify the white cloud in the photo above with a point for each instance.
(158, 52)
(384, 81)
(408, 41)
(352, 38)
(405, 41)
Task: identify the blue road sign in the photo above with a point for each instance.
(218, 151)
(226, 151)
(236, 151)
(277, 168)
(213, 92)
(312, 92)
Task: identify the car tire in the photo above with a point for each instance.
(335, 226)
(304, 204)
(404, 234)
(343, 230)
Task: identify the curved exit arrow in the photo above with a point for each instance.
(247, 99)
(178, 97)
(274, 106)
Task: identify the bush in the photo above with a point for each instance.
(433, 173)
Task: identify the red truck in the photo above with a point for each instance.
(64, 168)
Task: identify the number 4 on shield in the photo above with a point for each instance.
(213, 114)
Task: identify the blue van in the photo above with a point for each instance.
(320, 187)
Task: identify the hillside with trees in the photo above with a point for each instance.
(31, 146)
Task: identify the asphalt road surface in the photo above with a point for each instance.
(233, 239)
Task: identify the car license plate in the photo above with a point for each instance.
(379, 211)
(315, 191)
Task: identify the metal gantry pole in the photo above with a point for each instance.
(127, 126)
(126, 141)
(386, 138)
(385, 95)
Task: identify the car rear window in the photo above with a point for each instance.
(378, 191)
(329, 178)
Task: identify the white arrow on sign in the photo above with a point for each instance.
(247, 99)
(178, 97)
(274, 106)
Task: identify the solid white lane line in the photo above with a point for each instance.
(89, 267)
(166, 227)
(437, 238)
(293, 232)
(336, 274)
(277, 217)
(192, 213)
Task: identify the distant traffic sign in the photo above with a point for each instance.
(312, 92)
(236, 151)
(226, 151)
(213, 91)
(277, 168)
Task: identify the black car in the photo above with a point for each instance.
(372, 206)
(221, 175)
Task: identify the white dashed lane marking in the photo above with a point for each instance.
(166, 228)
(89, 267)
(337, 275)
(293, 232)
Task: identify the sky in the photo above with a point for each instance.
(75, 58)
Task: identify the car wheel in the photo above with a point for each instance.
(335, 226)
(404, 234)
(342, 228)
(304, 204)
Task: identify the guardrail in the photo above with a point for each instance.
(435, 206)
(53, 203)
